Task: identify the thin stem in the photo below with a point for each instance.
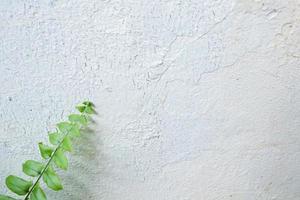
(45, 168)
(47, 165)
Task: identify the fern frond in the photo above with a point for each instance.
(53, 155)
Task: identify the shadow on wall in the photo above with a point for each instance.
(81, 178)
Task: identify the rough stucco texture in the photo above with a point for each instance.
(196, 100)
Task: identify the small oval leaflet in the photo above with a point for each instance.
(38, 194)
(18, 185)
(45, 150)
(60, 159)
(32, 168)
(52, 180)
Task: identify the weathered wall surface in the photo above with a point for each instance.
(197, 100)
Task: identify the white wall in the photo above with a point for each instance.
(197, 99)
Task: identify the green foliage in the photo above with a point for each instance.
(60, 159)
(67, 144)
(2, 197)
(55, 138)
(18, 185)
(33, 168)
(53, 156)
(45, 150)
(76, 118)
(38, 194)
(52, 180)
(86, 107)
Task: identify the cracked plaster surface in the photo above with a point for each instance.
(196, 99)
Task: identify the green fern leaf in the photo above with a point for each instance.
(33, 168)
(55, 138)
(2, 197)
(76, 118)
(38, 194)
(67, 144)
(18, 185)
(45, 150)
(60, 159)
(52, 180)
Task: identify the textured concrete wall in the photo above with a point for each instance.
(197, 99)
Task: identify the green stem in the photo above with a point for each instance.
(45, 168)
